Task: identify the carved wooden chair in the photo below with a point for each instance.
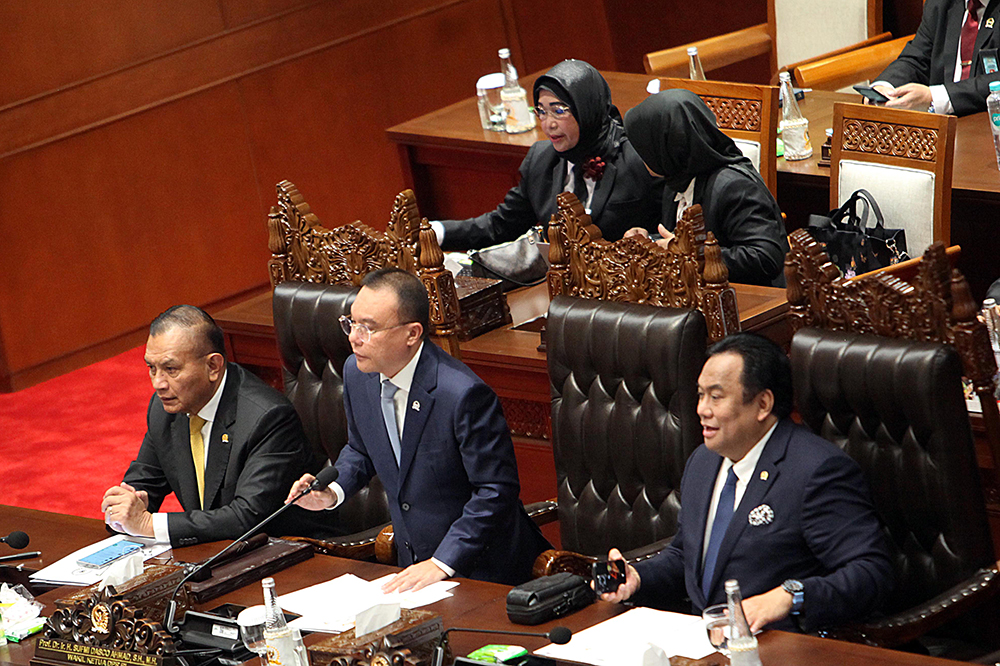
(795, 32)
(877, 364)
(904, 158)
(689, 273)
(305, 251)
(748, 114)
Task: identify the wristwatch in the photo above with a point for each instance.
(797, 590)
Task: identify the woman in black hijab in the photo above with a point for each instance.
(587, 153)
(676, 135)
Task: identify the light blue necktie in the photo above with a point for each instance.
(389, 415)
(723, 514)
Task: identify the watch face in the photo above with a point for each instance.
(792, 586)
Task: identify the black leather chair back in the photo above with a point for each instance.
(897, 407)
(313, 351)
(624, 398)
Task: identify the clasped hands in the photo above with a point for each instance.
(639, 231)
(760, 610)
(413, 577)
(127, 510)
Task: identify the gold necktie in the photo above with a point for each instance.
(198, 455)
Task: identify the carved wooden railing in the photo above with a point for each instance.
(688, 273)
(936, 306)
(306, 251)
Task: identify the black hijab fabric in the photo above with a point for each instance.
(582, 88)
(675, 134)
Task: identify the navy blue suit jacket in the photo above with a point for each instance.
(454, 495)
(930, 57)
(824, 532)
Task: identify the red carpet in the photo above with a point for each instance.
(65, 441)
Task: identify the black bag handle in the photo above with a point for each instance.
(855, 221)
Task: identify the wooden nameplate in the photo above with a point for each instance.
(410, 640)
(272, 557)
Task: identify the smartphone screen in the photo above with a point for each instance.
(872, 94)
(109, 554)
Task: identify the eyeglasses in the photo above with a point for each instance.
(348, 325)
(558, 111)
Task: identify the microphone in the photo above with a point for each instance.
(558, 635)
(326, 476)
(16, 539)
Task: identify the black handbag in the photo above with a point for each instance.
(853, 246)
(519, 263)
(548, 597)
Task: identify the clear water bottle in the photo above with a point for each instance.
(993, 111)
(742, 643)
(794, 126)
(515, 99)
(281, 647)
(695, 71)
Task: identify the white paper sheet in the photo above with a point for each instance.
(67, 572)
(332, 606)
(624, 639)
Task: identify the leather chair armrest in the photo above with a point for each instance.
(385, 545)
(912, 623)
(358, 546)
(646, 552)
(543, 513)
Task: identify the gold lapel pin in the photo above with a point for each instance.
(989, 22)
(763, 475)
(415, 406)
(225, 438)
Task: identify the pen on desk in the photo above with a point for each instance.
(21, 556)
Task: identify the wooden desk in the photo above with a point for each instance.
(474, 604)
(459, 170)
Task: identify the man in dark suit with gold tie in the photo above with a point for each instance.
(225, 442)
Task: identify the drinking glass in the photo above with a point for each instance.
(251, 621)
(492, 114)
(717, 625)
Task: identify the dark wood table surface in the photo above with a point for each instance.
(474, 604)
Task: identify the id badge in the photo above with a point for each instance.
(989, 57)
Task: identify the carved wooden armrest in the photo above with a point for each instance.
(358, 546)
(912, 623)
(543, 513)
(385, 545)
(714, 52)
(555, 561)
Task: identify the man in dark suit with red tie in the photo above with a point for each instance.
(765, 501)
(948, 65)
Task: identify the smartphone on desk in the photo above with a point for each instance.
(109, 554)
(871, 94)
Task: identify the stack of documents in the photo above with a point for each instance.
(67, 572)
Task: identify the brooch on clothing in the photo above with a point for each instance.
(762, 515)
(415, 406)
(594, 168)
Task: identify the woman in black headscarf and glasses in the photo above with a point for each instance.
(587, 153)
(676, 135)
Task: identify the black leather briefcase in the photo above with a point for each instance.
(547, 598)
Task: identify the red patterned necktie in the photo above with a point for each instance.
(968, 43)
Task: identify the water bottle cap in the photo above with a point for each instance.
(267, 582)
(692, 50)
(504, 53)
(994, 86)
(784, 76)
(732, 585)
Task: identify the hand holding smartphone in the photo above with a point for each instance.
(608, 576)
(871, 94)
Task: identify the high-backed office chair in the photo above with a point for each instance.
(897, 407)
(904, 158)
(624, 398)
(795, 32)
(748, 114)
(689, 273)
(313, 351)
(846, 69)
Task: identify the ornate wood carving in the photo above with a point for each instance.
(688, 273)
(408, 641)
(528, 418)
(936, 307)
(867, 136)
(734, 113)
(306, 251)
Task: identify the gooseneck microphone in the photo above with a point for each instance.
(558, 635)
(16, 539)
(326, 476)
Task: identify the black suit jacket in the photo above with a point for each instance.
(739, 209)
(625, 197)
(257, 449)
(454, 494)
(823, 531)
(929, 58)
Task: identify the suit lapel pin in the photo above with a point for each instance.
(989, 22)
(225, 438)
(763, 475)
(415, 406)
(762, 515)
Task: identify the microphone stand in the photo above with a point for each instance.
(318, 484)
